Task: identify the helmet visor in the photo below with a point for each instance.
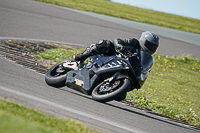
(151, 46)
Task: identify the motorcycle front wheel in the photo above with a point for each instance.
(56, 76)
(107, 91)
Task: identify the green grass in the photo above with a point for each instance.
(19, 119)
(58, 54)
(132, 13)
(172, 88)
(10, 123)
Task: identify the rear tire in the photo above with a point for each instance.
(55, 79)
(122, 97)
(120, 87)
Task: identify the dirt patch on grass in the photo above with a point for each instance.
(21, 52)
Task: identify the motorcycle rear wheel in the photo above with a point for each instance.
(55, 77)
(122, 97)
(118, 88)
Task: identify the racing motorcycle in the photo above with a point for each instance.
(105, 78)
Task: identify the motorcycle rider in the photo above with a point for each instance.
(148, 42)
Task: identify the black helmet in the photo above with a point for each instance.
(149, 42)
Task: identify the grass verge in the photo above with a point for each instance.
(132, 13)
(172, 88)
(59, 54)
(20, 119)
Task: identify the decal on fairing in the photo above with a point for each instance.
(79, 82)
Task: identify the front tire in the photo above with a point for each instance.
(105, 93)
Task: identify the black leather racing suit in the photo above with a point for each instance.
(108, 48)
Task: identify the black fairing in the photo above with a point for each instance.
(78, 79)
(141, 65)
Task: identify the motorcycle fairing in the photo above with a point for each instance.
(84, 79)
(111, 64)
(79, 79)
(146, 64)
(141, 65)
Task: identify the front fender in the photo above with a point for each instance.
(118, 76)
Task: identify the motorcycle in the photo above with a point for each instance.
(105, 78)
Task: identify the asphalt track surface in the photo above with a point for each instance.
(35, 20)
